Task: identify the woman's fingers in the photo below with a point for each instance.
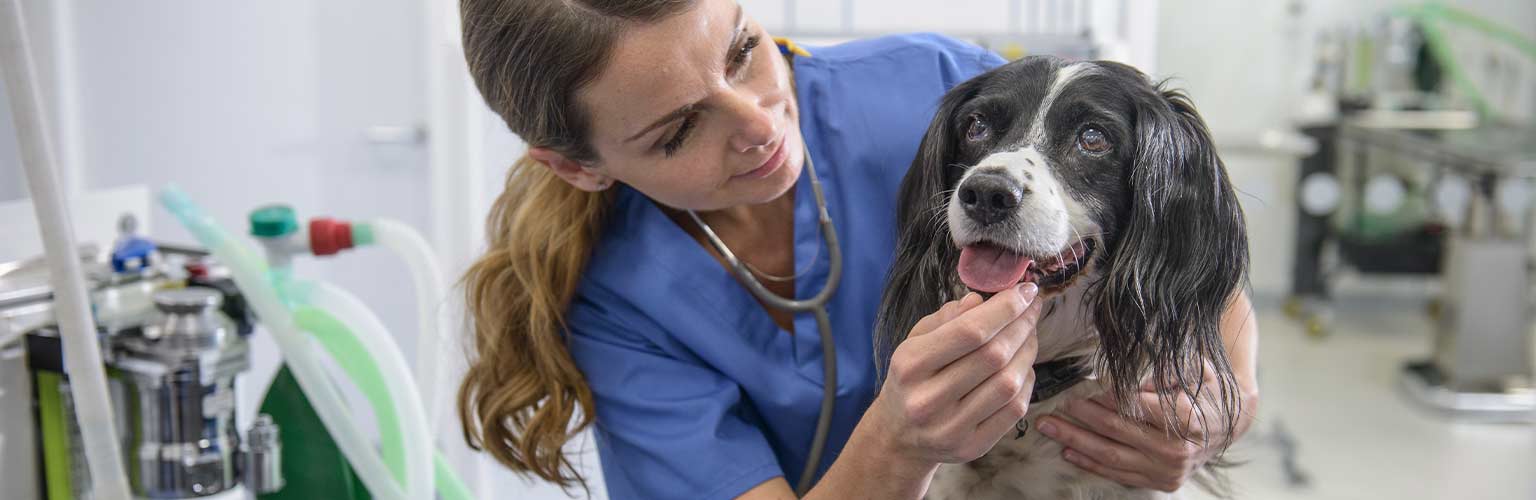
(968, 374)
(1104, 451)
(945, 313)
(1001, 423)
(946, 356)
(1124, 477)
(1105, 421)
(1151, 405)
(968, 330)
(1174, 455)
(1186, 418)
(1015, 381)
(1005, 415)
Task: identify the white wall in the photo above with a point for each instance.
(40, 18)
(244, 104)
(12, 186)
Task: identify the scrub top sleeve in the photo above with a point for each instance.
(666, 427)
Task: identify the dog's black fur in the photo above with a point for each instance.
(1172, 243)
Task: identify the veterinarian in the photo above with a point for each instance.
(601, 302)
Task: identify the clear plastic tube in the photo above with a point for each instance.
(435, 323)
(375, 338)
(361, 368)
(353, 357)
(449, 487)
(249, 273)
(88, 378)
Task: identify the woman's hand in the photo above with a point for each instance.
(1143, 455)
(1153, 457)
(962, 378)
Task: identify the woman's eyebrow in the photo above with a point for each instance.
(730, 49)
(668, 118)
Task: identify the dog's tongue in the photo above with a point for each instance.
(990, 268)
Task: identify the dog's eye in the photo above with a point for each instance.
(978, 131)
(1093, 141)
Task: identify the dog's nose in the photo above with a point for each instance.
(989, 198)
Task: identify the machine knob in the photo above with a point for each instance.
(263, 471)
(190, 321)
(187, 300)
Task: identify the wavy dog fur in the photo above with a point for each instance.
(1172, 231)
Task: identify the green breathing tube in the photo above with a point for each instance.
(353, 357)
(276, 308)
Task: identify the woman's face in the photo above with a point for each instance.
(697, 111)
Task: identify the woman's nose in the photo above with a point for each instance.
(758, 124)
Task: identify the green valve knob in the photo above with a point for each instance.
(273, 221)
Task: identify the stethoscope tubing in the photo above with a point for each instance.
(817, 305)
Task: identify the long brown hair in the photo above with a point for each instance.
(529, 59)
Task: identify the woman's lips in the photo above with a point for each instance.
(769, 166)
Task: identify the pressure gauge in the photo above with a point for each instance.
(1319, 194)
(1384, 194)
(1452, 194)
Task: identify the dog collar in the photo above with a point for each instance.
(1056, 376)
(1052, 378)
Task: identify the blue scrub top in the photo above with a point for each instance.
(699, 394)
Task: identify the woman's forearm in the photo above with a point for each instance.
(872, 465)
(1240, 335)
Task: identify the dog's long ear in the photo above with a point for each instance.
(1181, 255)
(917, 282)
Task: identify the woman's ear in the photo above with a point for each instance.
(581, 176)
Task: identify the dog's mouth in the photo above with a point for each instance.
(990, 268)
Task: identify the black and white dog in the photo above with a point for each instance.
(1106, 191)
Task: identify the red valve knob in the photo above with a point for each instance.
(328, 236)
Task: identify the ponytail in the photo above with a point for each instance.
(522, 391)
(520, 399)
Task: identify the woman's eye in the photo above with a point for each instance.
(676, 142)
(745, 52)
(1093, 140)
(978, 131)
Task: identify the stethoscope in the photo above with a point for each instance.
(816, 305)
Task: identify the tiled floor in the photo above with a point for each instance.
(1358, 436)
